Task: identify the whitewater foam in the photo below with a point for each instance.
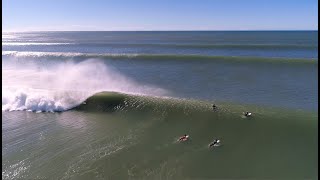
(62, 54)
(63, 86)
(31, 43)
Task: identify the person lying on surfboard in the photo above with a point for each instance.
(215, 142)
(183, 138)
(214, 107)
(247, 114)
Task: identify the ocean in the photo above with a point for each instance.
(111, 105)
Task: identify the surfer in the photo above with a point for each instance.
(215, 142)
(214, 107)
(247, 114)
(183, 138)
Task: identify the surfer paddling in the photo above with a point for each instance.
(214, 107)
(247, 114)
(215, 142)
(183, 138)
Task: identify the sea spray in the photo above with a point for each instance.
(62, 86)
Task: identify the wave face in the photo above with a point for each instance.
(121, 102)
(32, 87)
(113, 101)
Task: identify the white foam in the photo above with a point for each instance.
(22, 54)
(31, 43)
(64, 86)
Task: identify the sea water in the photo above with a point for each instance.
(111, 105)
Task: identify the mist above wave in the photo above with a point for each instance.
(59, 87)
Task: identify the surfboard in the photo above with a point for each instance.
(249, 114)
(214, 146)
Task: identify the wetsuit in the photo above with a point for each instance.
(213, 143)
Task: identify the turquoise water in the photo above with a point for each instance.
(111, 105)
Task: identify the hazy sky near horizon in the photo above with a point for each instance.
(108, 15)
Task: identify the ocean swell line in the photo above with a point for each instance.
(172, 45)
(75, 55)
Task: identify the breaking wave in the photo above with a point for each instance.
(64, 86)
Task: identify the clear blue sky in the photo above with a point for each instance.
(26, 15)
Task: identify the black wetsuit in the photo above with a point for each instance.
(214, 107)
(213, 143)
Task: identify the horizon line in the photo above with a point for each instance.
(158, 30)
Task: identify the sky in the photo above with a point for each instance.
(151, 15)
